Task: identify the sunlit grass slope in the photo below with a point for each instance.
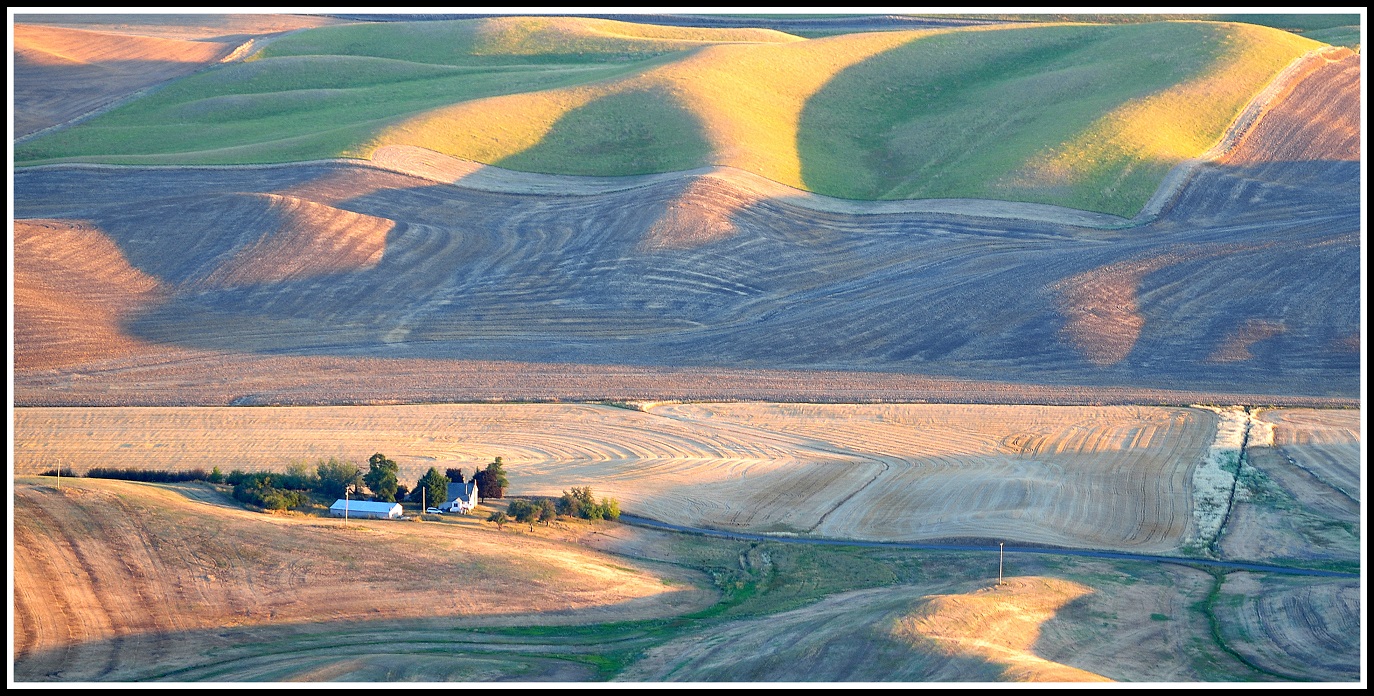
(322, 93)
(1086, 116)
(1089, 116)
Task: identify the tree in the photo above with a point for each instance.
(381, 477)
(499, 518)
(300, 476)
(523, 511)
(216, 476)
(491, 482)
(548, 512)
(580, 502)
(336, 477)
(610, 508)
(454, 475)
(434, 485)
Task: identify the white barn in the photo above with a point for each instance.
(363, 508)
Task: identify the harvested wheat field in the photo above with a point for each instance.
(116, 580)
(1099, 477)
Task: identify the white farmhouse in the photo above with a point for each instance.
(363, 508)
(461, 497)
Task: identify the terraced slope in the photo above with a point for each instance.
(1086, 116)
(1098, 477)
(114, 581)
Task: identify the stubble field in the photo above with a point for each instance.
(1100, 477)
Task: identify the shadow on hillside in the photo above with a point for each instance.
(642, 131)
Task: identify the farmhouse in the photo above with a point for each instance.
(363, 508)
(461, 497)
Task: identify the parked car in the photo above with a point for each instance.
(434, 511)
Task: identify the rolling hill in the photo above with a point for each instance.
(1088, 116)
(1246, 282)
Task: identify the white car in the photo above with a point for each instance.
(434, 511)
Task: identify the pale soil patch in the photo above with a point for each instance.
(1114, 477)
(1104, 320)
(1300, 628)
(1237, 345)
(999, 624)
(108, 574)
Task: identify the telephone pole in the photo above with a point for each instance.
(999, 562)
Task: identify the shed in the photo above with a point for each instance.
(364, 508)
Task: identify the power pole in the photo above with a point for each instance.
(345, 507)
(999, 562)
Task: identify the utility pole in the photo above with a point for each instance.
(345, 507)
(999, 562)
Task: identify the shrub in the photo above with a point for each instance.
(523, 511)
(579, 502)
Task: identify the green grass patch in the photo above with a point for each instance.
(1336, 36)
(961, 114)
(286, 109)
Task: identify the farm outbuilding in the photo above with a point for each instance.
(363, 508)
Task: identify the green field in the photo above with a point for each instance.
(1088, 116)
